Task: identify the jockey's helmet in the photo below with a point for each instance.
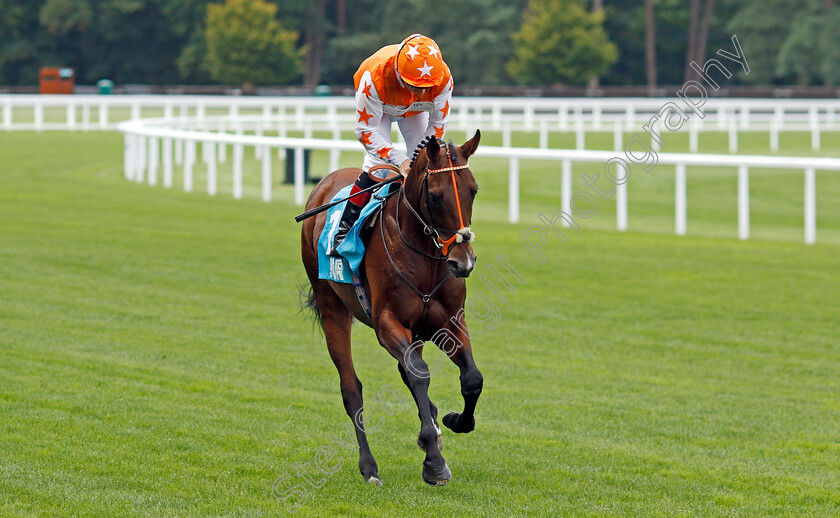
(419, 62)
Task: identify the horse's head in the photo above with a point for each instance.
(443, 188)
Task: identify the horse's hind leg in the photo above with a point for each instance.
(336, 321)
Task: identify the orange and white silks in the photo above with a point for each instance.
(382, 99)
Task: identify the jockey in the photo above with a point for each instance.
(408, 84)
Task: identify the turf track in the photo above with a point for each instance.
(153, 363)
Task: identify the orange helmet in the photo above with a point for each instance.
(419, 62)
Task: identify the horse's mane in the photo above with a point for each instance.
(421, 147)
(453, 151)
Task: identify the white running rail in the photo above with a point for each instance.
(149, 147)
(507, 115)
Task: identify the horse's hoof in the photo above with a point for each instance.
(374, 481)
(449, 418)
(439, 443)
(454, 421)
(437, 477)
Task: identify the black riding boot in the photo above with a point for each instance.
(348, 217)
(351, 212)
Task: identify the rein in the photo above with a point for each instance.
(427, 229)
(425, 296)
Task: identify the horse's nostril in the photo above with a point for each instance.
(459, 270)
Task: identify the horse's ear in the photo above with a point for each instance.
(470, 146)
(432, 149)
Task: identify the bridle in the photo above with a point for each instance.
(458, 236)
(431, 229)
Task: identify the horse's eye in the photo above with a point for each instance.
(436, 199)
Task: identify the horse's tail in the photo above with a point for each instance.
(307, 302)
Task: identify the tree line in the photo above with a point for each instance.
(485, 42)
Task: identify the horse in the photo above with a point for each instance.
(414, 279)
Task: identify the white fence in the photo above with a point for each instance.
(681, 161)
(156, 144)
(151, 145)
(542, 115)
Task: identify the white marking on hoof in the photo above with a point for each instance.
(374, 481)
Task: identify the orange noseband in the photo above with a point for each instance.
(463, 233)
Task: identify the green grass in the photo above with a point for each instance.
(153, 361)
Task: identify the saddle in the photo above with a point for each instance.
(347, 269)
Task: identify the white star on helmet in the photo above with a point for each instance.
(425, 70)
(412, 51)
(433, 51)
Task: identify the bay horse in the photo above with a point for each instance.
(414, 279)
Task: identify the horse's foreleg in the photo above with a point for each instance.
(397, 340)
(471, 384)
(336, 324)
(432, 408)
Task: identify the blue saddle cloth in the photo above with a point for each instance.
(352, 249)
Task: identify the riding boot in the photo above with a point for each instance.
(351, 212)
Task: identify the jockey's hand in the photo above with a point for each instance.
(404, 167)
